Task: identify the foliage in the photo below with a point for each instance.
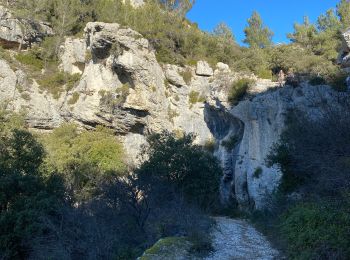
(198, 179)
(55, 82)
(31, 59)
(257, 173)
(317, 230)
(84, 158)
(210, 145)
(343, 12)
(74, 99)
(256, 34)
(25, 195)
(238, 90)
(4, 54)
(230, 143)
(195, 97)
(187, 75)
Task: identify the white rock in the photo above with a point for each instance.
(223, 67)
(173, 76)
(12, 34)
(72, 55)
(203, 69)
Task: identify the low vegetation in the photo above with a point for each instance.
(310, 213)
(238, 89)
(58, 82)
(74, 99)
(73, 179)
(196, 97)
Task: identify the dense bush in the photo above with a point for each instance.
(54, 82)
(238, 90)
(26, 196)
(70, 198)
(84, 159)
(31, 59)
(314, 157)
(318, 230)
(197, 179)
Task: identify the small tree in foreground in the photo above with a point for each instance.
(178, 163)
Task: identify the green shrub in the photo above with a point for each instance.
(88, 56)
(71, 80)
(74, 99)
(172, 114)
(187, 75)
(264, 74)
(316, 81)
(177, 162)
(317, 231)
(83, 158)
(230, 143)
(238, 90)
(195, 97)
(122, 93)
(25, 96)
(5, 55)
(30, 58)
(338, 81)
(27, 197)
(54, 83)
(257, 173)
(210, 145)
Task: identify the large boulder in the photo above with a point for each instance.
(173, 76)
(72, 55)
(135, 3)
(16, 31)
(203, 69)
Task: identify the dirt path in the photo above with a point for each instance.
(236, 239)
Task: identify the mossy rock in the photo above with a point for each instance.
(172, 248)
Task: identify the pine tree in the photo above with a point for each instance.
(343, 11)
(257, 35)
(304, 33)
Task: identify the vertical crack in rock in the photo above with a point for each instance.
(228, 132)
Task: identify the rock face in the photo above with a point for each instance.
(123, 87)
(264, 118)
(344, 53)
(15, 31)
(18, 93)
(72, 54)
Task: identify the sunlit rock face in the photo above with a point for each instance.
(13, 34)
(122, 86)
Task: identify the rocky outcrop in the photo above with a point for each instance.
(123, 87)
(18, 93)
(203, 69)
(73, 55)
(344, 52)
(16, 31)
(264, 119)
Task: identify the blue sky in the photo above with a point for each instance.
(278, 15)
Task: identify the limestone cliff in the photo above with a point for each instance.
(123, 87)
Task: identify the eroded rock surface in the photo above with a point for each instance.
(15, 31)
(123, 87)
